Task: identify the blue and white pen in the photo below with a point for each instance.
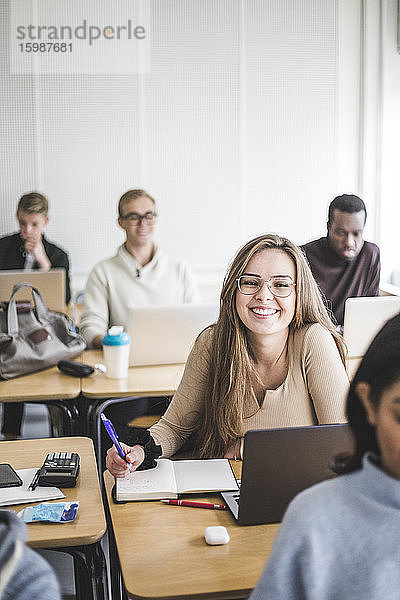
(112, 433)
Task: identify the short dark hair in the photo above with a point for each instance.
(132, 195)
(380, 368)
(33, 202)
(348, 203)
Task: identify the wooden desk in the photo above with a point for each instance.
(82, 400)
(99, 391)
(49, 387)
(81, 538)
(163, 555)
(157, 380)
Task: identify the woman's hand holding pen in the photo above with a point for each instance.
(117, 466)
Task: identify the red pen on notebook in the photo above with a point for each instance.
(195, 504)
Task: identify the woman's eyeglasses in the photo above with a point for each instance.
(137, 219)
(281, 287)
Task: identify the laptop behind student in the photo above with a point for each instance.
(51, 285)
(165, 334)
(280, 463)
(363, 318)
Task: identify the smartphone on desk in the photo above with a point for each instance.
(9, 477)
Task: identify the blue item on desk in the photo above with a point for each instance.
(116, 336)
(58, 512)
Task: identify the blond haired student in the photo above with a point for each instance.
(273, 359)
(29, 249)
(140, 274)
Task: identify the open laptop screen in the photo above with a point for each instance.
(51, 285)
(363, 318)
(165, 334)
(280, 463)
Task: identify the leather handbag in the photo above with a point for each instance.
(33, 338)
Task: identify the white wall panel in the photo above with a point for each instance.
(290, 87)
(17, 139)
(90, 151)
(389, 150)
(191, 116)
(233, 129)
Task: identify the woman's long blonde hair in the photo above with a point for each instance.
(232, 371)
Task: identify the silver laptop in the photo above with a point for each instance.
(363, 318)
(51, 285)
(165, 334)
(280, 463)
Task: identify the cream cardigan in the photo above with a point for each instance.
(119, 282)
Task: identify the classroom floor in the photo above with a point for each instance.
(36, 425)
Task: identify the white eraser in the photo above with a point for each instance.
(216, 535)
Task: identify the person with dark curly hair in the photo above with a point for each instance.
(343, 264)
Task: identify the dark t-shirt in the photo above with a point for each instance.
(339, 279)
(12, 256)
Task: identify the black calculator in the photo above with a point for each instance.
(60, 469)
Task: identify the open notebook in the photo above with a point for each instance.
(171, 478)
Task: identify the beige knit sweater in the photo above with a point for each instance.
(314, 390)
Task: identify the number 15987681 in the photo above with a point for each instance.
(45, 47)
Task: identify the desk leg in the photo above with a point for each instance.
(117, 585)
(84, 405)
(90, 570)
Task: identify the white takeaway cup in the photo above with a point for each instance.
(116, 345)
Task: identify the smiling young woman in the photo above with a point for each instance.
(272, 359)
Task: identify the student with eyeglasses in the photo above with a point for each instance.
(140, 274)
(273, 359)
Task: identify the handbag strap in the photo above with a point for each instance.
(12, 318)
